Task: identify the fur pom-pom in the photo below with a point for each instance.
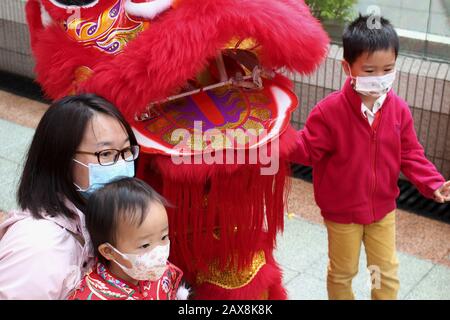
(183, 292)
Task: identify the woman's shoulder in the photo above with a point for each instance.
(38, 258)
(21, 228)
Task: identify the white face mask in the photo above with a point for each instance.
(374, 86)
(150, 265)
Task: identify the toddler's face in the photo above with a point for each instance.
(378, 63)
(153, 232)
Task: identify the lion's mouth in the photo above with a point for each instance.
(220, 119)
(232, 95)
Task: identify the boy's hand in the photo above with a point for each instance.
(443, 193)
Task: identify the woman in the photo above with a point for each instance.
(81, 143)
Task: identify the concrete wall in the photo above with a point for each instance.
(15, 53)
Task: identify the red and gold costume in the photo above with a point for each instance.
(199, 66)
(100, 284)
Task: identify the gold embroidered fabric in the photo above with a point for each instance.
(232, 278)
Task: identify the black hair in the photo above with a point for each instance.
(124, 199)
(47, 179)
(364, 35)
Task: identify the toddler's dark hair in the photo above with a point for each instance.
(125, 199)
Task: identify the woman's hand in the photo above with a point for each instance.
(442, 194)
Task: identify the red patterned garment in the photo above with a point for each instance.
(100, 284)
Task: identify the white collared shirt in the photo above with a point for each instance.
(370, 115)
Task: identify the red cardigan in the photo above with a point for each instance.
(356, 166)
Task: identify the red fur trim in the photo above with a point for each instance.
(283, 81)
(33, 14)
(57, 56)
(180, 42)
(175, 48)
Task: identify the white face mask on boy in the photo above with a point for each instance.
(150, 265)
(374, 86)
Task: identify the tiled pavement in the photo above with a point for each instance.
(424, 245)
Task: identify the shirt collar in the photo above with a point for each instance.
(120, 284)
(376, 106)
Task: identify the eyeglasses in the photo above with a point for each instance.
(109, 157)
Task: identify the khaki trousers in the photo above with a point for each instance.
(344, 246)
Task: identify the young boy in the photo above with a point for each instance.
(358, 140)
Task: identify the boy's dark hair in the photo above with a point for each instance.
(125, 199)
(363, 36)
(47, 179)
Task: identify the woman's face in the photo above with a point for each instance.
(102, 132)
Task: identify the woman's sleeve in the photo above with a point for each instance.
(36, 261)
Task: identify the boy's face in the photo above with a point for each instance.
(378, 63)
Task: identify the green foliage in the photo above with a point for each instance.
(338, 10)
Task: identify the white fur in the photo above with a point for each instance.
(183, 293)
(45, 17)
(147, 10)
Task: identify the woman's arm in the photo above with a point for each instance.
(37, 261)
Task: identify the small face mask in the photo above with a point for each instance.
(374, 86)
(100, 175)
(150, 265)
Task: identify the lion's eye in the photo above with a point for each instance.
(77, 3)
